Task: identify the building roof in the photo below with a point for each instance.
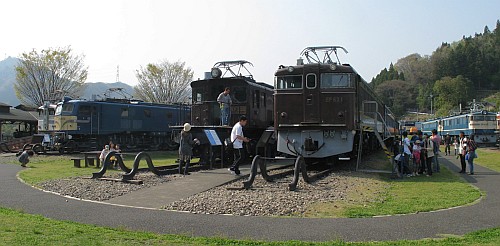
(17, 115)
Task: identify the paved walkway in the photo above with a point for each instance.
(168, 192)
(485, 214)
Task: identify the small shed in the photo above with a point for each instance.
(26, 121)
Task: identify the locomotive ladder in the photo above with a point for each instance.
(365, 126)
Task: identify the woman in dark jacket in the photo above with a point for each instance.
(186, 148)
(471, 146)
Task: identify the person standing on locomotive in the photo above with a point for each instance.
(237, 138)
(224, 99)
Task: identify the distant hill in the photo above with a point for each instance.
(7, 80)
(93, 89)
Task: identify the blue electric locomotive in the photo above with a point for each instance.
(83, 125)
(482, 124)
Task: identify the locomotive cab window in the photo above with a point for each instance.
(335, 80)
(288, 82)
(239, 94)
(311, 81)
(67, 107)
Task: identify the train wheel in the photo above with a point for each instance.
(38, 148)
(26, 147)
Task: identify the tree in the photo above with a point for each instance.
(164, 82)
(452, 92)
(397, 95)
(40, 77)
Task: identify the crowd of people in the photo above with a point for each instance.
(418, 154)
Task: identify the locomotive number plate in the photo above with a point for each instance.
(333, 99)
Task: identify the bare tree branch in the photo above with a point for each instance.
(164, 82)
(42, 76)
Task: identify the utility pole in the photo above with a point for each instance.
(431, 102)
(118, 73)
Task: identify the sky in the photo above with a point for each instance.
(268, 33)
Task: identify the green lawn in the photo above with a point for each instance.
(488, 157)
(42, 168)
(17, 228)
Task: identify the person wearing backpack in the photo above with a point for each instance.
(472, 146)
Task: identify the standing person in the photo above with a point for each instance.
(423, 158)
(472, 146)
(455, 145)
(24, 158)
(447, 144)
(186, 148)
(237, 138)
(224, 99)
(462, 147)
(406, 153)
(416, 156)
(437, 142)
(429, 150)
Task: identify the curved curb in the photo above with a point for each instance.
(459, 220)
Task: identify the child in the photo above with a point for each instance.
(24, 158)
(416, 155)
(455, 144)
(104, 153)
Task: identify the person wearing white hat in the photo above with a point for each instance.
(186, 148)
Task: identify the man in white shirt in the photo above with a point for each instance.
(463, 150)
(406, 154)
(237, 139)
(224, 99)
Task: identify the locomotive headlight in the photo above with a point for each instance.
(333, 66)
(290, 69)
(216, 73)
(283, 115)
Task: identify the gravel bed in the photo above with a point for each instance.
(263, 199)
(101, 190)
(274, 198)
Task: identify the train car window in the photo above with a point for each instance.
(490, 118)
(124, 113)
(264, 99)
(197, 96)
(147, 113)
(67, 107)
(311, 81)
(335, 80)
(256, 99)
(84, 110)
(289, 82)
(239, 94)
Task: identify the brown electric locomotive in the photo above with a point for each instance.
(322, 105)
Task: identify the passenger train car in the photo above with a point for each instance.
(322, 106)
(85, 125)
(482, 124)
